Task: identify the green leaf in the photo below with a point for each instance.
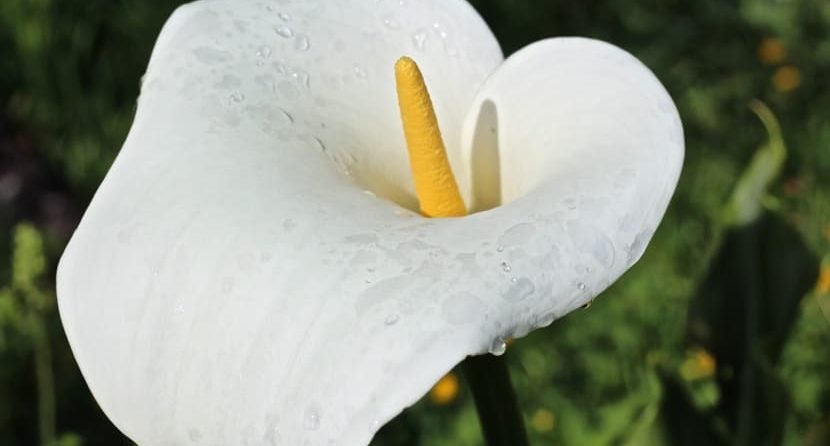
(743, 313)
(28, 262)
(682, 422)
(749, 195)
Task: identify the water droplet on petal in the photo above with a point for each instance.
(237, 97)
(581, 286)
(499, 248)
(419, 39)
(284, 31)
(520, 289)
(570, 203)
(302, 43)
(301, 77)
(545, 320)
(587, 305)
(517, 234)
(311, 418)
(391, 23)
(506, 267)
(264, 52)
(392, 319)
(360, 72)
(284, 17)
(279, 68)
(498, 346)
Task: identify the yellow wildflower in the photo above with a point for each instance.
(543, 420)
(786, 78)
(823, 285)
(445, 390)
(771, 51)
(699, 364)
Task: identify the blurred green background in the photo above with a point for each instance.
(720, 335)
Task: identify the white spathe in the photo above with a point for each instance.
(233, 283)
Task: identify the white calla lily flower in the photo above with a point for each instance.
(232, 281)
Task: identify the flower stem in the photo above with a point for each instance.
(45, 381)
(498, 412)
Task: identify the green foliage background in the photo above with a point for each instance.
(69, 76)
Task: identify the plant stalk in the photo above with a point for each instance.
(498, 411)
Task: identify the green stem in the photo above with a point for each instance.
(45, 381)
(498, 412)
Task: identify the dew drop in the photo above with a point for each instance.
(302, 43)
(284, 31)
(581, 286)
(284, 17)
(360, 72)
(419, 39)
(279, 68)
(498, 346)
(301, 77)
(392, 319)
(520, 289)
(440, 31)
(264, 52)
(545, 320)
(587, 305)
(506, 267)
(499, 248)
(311, 418)
(391, 23)
(288, 116)
(570, 203)
(517, 234)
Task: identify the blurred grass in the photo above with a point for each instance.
(70, 73)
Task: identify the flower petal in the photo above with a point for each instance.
(227, 285)
(227, 281)
(583, 147)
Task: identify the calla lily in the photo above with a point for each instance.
(252, 270)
